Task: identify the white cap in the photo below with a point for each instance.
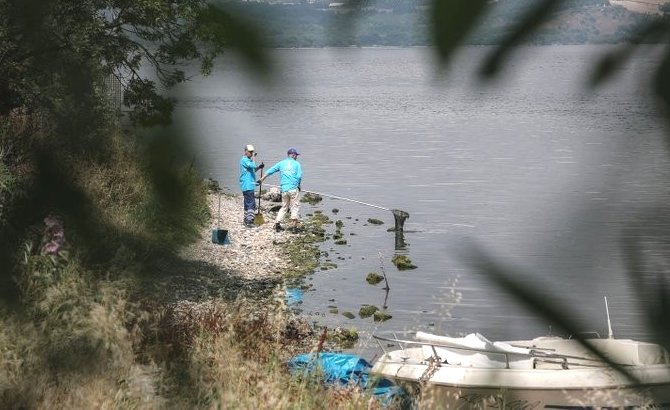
(249, 147)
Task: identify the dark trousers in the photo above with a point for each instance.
(249, 206)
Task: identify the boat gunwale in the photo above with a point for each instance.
(640, 380)
(573, 379)
(532, 352)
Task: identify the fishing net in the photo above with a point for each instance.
(399, 217)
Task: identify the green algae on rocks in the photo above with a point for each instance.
(403, 262)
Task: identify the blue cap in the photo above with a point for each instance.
(292, 151)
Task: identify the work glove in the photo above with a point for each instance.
(260, 166)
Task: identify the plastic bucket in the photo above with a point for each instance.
(220, 237)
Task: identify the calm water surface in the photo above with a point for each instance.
(543, 175)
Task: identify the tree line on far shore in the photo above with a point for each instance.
(395, 23)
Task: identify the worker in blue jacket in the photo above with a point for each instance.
(290, 173)
(248, 168)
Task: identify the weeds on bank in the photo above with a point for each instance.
(83, 344)
(240, 364)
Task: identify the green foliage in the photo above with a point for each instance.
(7, 178)
(149, 108)
(62, 151)
(56, 50)
(451, 21)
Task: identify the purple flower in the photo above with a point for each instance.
(51, 248)
(54, 235)
(51, 221)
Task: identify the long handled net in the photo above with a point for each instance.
(398, 215)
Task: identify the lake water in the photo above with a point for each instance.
(543, 175)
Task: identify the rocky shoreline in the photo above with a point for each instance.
(209, 286)
(251, 268)
(253, 265)
(253, 253)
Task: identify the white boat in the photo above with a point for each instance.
(547, 372)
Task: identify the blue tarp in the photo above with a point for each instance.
(340, 369)
(293, 296)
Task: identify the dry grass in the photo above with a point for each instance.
(233, 357)
(94, 349)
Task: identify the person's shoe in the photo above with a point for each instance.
(294, 230)
(278, 227)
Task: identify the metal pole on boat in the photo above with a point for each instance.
(610, 334)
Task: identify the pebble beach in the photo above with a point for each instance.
(253, 253)
(252, 265)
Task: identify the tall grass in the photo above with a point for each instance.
(84, 346)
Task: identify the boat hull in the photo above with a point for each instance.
(579, 383)
(456, 389)
(438, 396)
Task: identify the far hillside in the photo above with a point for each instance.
(643, 6)
(408, 23)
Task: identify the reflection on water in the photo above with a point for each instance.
(543, 175)
(400, 244)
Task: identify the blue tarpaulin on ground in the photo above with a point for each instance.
(293, 296)
(340, 369)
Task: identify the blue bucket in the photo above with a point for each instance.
(220, 237)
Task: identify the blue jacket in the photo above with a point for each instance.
(290, 173)
(247, 174)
